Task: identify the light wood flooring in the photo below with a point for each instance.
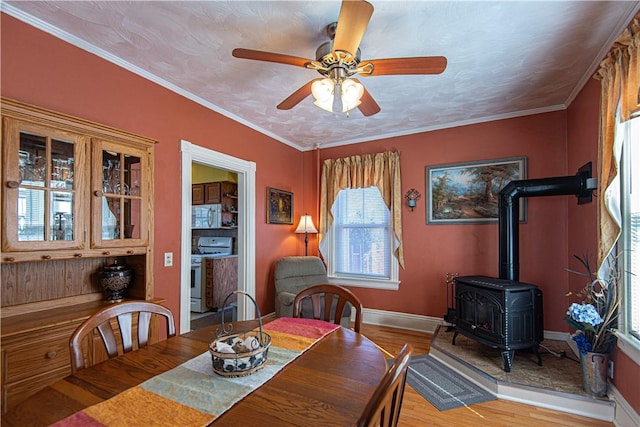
(416, 411)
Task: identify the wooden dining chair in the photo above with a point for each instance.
(328, 312)
(118, 318)
(383, 409)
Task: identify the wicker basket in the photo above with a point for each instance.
(244, 360)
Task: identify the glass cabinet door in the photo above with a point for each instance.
(118, 198)
(44, 188)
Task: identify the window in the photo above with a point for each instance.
(361, 241)
(630, 320)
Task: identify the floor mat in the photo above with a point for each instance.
(443, 387)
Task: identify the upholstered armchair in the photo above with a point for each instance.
(295, 273)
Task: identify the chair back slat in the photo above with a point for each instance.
(327, 293)
(125, 324)
(108, 338)
(125, 314)
(144, 321)
(383, 409)
(340, 305)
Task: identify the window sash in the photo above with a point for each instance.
(630, 189)
(372, 268)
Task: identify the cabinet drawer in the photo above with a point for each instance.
(36, 353)
(15, 393)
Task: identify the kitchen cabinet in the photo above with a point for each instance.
(207, 193)
(76, 196)
(221, 279)
(211, 193)
(197, 194)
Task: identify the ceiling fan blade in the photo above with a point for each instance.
(368, 106)
(296, 97)
(352, 23)
(259, 55)
(417, 65)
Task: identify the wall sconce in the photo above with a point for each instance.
(412, 197)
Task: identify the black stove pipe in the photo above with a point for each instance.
(580, 185)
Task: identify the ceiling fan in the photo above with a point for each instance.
(338, 61)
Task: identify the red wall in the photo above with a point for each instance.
(433, 250)
(42, 70)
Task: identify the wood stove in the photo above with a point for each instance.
(502, 314)
(505, 313)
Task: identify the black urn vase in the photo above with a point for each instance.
(115, 279)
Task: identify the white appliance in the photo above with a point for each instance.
(205, 247)
(206, 216)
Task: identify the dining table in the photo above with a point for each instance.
(329, 383)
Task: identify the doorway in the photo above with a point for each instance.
(245, 170)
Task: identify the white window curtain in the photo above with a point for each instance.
(381, 170)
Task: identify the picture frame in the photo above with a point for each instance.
(467, 193)
(279, 206)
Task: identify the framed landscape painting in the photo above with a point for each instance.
(279, 206)
(467, 193)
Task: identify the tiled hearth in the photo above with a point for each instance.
(556, 385)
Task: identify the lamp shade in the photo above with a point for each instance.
(351, 94)
(323, 91)
(306, 225)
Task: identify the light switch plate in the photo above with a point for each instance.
(168, 259)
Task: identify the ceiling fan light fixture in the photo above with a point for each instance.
(338, 65)
(323, 92)
(351, 93)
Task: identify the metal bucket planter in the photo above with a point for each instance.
(594, 373)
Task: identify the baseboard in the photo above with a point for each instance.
(625, 414)
(269, 317)
(556, 336)
(413, 322)
(420, 323)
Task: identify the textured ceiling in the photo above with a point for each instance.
(505, 58)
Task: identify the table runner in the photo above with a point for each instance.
(192, 394)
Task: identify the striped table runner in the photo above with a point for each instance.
(192, 394)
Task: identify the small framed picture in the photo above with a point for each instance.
(279, 206)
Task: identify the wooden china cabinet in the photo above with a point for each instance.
(76, 196)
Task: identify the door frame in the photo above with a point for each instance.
(246, 170)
